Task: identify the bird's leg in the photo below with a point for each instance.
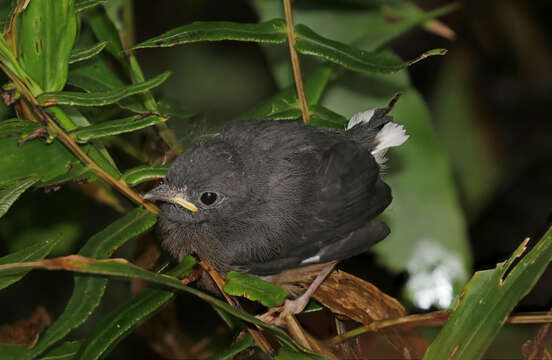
(299, 304)
(278, 315)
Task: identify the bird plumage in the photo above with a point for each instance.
(289, 195)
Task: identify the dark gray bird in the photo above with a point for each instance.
(265, 196)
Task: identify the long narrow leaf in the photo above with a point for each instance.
(11, 192)
(81, 5)
(284, 105)
(127, 315)
(99, 98)
(487, 301)
(115, 127)
(84, 54)
(235, 349)
(122, 268)
(65, 351)
(145, 173)
(310, 43)
(273, 31)
(16, 127)
(89, 290)
(34, 252)
(46, 31)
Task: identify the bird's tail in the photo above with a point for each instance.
(376, 128)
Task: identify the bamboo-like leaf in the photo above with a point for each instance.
(34, 252)
(115, 127)
(10, 192)
(254, 289)
(84, 54)
(486, 302)
(284, 105)
(34, 157)
(289, 354)
(16, 127)
(88, 290)
(95, 75)
(45, 34)
(99, 98)
(325, 117)
(122, 268)
(13, 351)
(273, 31)
(145, 173)
(310, 43)
(127, 315)
(65, 351)
(228, 354)
(105, 30)
(81, 5)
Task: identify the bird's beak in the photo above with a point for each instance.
(165, 193)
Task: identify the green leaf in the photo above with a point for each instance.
(410, 16)
(254, 289)
(99, 98)
(34, 158)
(121, 268)
(10, 62)
(10, 192)
(284, 105)
(273, 31)
(228, 354)
(89, 290)
(145, 173)
(84, 54)
(34, 252)
(81, 5)
(289, 354)
(322, 116)
(128, 314)
(16, 127)
(45, 34)
(487, 300)
(65, 351)
(104, 30)
(95, 75)
(13, 351)
(310, 43)
(115, 127)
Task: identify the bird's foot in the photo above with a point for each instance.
(277, 315)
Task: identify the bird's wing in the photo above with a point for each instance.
(338, 222)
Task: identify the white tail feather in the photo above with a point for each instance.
(392, 134)
(359, 118)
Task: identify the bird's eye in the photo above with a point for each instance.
(208, 198)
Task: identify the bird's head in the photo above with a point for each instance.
(202, 185)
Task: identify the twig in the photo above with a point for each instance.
(295, 62)
(259, 338)
(430, 319)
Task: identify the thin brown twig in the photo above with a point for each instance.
(295, 62)
(258, 337)
(434, 318)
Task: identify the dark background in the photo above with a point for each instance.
(497, 73)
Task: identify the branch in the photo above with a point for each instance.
(434, 318)
(295, 62)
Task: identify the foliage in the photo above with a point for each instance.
(78, 101)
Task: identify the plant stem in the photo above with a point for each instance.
(434, 318)
(295, 62)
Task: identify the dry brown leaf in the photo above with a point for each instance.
(361, 301)
(535, 349)
(26, 331)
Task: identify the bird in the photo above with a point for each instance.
(274, 197)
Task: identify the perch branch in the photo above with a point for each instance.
(295, 62)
